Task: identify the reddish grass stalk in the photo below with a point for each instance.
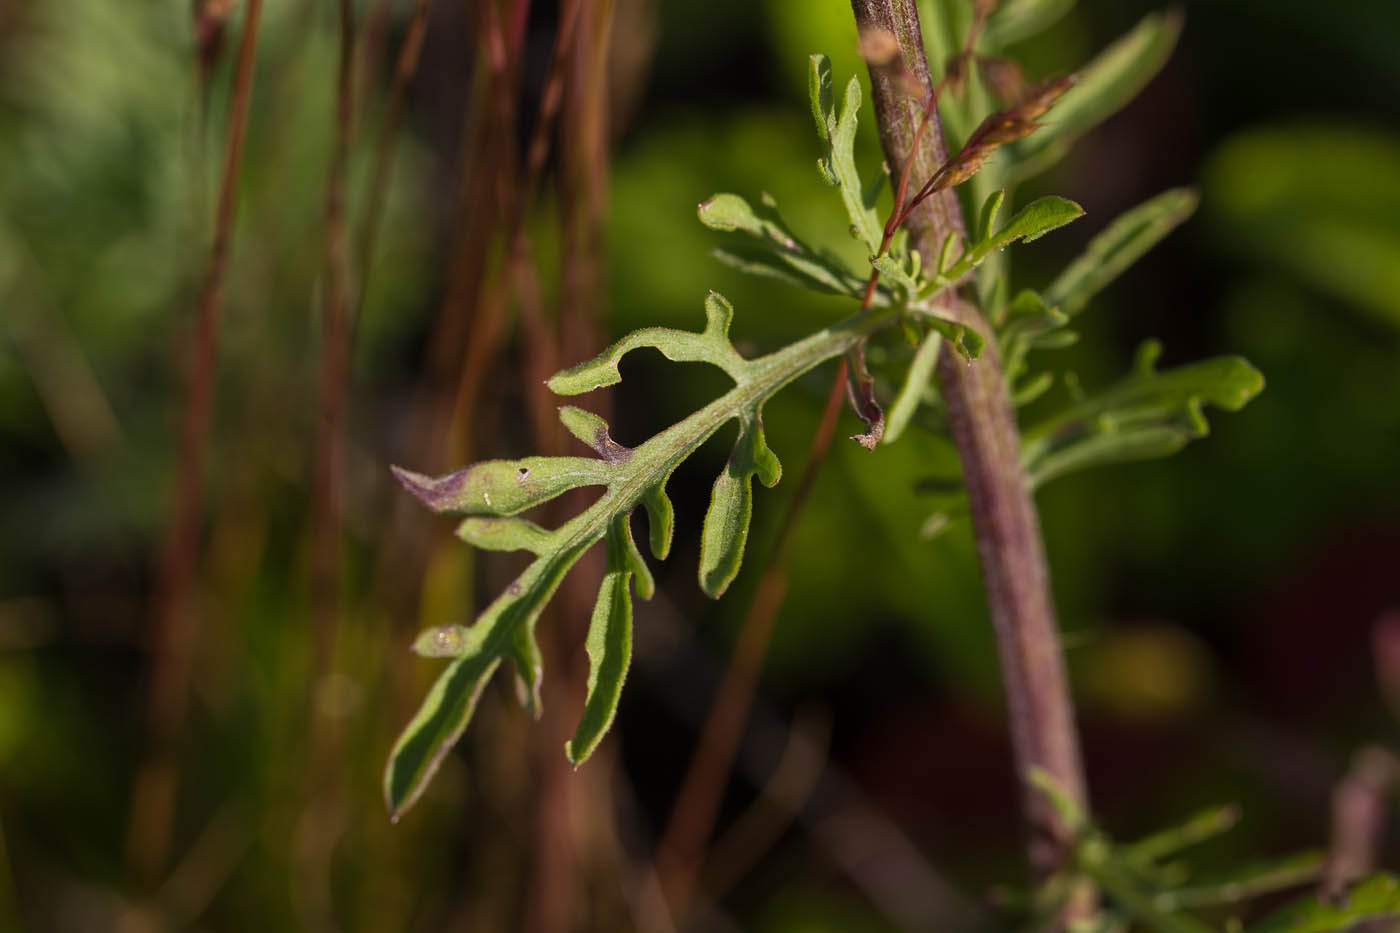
(576, 97)
(153, 795)
(1004, 520)
(405, 67)
(330, 423)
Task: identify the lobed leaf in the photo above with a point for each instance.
(711, 346)
(763, 244)
(492, 493)
(1149, 414)
(1033, 320)
(839, 165)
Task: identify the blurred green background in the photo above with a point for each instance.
(1219, 606)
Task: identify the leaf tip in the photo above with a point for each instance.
(435, 493)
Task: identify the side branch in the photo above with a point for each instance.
(175, 615)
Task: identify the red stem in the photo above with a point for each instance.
(153, 796)
(330, 427)
(1004, 520)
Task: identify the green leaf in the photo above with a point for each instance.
(1375, 898)
(1068, 812)
(988, 215)
(839, 165)
(1027, 319)
(820, 92)
(490, 493)
(763, 244)
(1248, 883)
(891, 269)
(726, 527)
(502, 487)
(916, 383)
(709, 346)
(1120, 245)
(965, 340)
(1017, 20)
(1168, 842)
(1103, 87)
(1149, 414)
(661, 518)
(1032, 389)
(1030, 223)
(434, 729)
(609, 642)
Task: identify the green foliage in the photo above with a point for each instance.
(765, 245)
(1149, 414)
(1120, 245)
(838, 167)
(490, 494)
(1103, 86)
(1015, 20)
(1376, 898)
(1146, 883)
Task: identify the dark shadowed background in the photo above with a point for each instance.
(1223, 608)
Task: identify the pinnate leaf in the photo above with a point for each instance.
(839, 165)
(709, 346)
(763, 244)
(1149, 414)
(493, 493)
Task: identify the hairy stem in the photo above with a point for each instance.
(1004, 519)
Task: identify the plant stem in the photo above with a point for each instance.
(405, 67)
(153, 796)
(335, 345)
(1004, 520)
